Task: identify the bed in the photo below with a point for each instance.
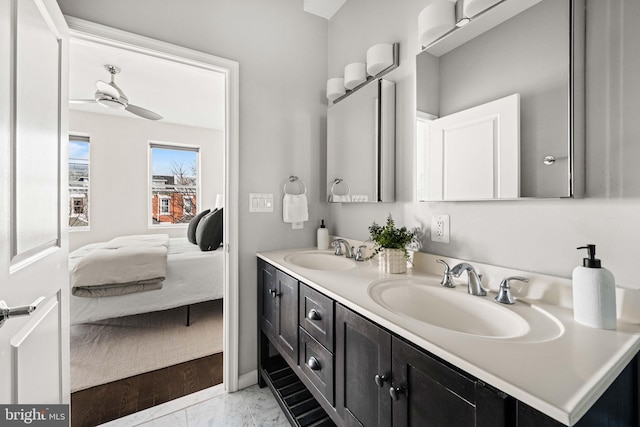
(192, 276)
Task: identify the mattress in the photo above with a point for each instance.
(192, 276)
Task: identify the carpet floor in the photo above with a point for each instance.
(113, 349)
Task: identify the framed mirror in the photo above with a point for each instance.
(361, 145)
(469, 150)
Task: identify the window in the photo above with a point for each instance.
(78, 182)
(174, 183)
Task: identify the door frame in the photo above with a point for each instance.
(89, 31)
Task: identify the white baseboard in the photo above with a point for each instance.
(248, 379)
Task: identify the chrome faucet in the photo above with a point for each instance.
(474, 281)
(338, 244)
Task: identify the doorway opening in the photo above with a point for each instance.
(210, 130)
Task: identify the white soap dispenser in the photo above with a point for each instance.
(323, 237)
(594, 293)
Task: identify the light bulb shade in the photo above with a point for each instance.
(379, 57)
(436, 20)
(354, 74)
(471, 8)
(335, 88)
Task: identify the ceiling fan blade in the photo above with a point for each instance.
(109, 89)
(81, 101)
(142, 112)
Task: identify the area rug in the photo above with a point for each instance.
(113, 349)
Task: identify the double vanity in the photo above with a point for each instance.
(342, 343)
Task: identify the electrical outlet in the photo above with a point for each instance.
(440, 228)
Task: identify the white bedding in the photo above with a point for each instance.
(192, 276)
(121, 266)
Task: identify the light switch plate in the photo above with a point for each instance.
(440, 228)
(260, 202)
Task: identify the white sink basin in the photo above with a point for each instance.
(316, 260)
(425, 301)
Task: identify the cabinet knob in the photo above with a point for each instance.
(313, 315)
(274, 293)
(380, 379)
(313, 364)
(395, 392)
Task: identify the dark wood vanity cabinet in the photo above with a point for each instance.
(278, 309)
(382, 380)
(328, 365)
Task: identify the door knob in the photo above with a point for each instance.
(25, 310)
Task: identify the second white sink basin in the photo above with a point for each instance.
(425, 301)
(317, 260)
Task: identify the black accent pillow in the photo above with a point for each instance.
(209, 231)
(193, 224)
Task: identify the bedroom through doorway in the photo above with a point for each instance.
(137, 346)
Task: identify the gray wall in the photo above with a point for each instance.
(534, 235)
(282, 53)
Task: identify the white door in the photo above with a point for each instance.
(34, 348)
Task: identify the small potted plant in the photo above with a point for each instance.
(391, 245)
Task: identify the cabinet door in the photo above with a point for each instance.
(287, 312)
(427, 392)
(363, 352)
(267, 302)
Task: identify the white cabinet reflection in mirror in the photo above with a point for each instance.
(473, 154)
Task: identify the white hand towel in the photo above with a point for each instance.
(294, 208)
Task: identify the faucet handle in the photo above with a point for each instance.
(359, 256)
(504, 293)
(336, 244)
(447, 281)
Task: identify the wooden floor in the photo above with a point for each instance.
(107, 402)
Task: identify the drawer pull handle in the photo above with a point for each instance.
(314, 315)
(313, 364)
(395, 392)
(380, 379)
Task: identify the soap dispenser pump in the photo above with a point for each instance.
(594, 292)
(323, 237)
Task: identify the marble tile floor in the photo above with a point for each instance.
(251, 407)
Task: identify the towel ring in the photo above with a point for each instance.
(294, 178)
(333, 186)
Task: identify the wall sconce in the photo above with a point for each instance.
(435, 20)
(335, 88)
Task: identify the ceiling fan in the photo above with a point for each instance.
(109, 95)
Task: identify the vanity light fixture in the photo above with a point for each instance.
(441, 17)
(381, 58)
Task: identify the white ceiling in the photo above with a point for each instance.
(323, 8)
(182, 94)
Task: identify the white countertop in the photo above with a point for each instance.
(562, 377)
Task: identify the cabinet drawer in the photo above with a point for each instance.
(316, 362)
(316, 315)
